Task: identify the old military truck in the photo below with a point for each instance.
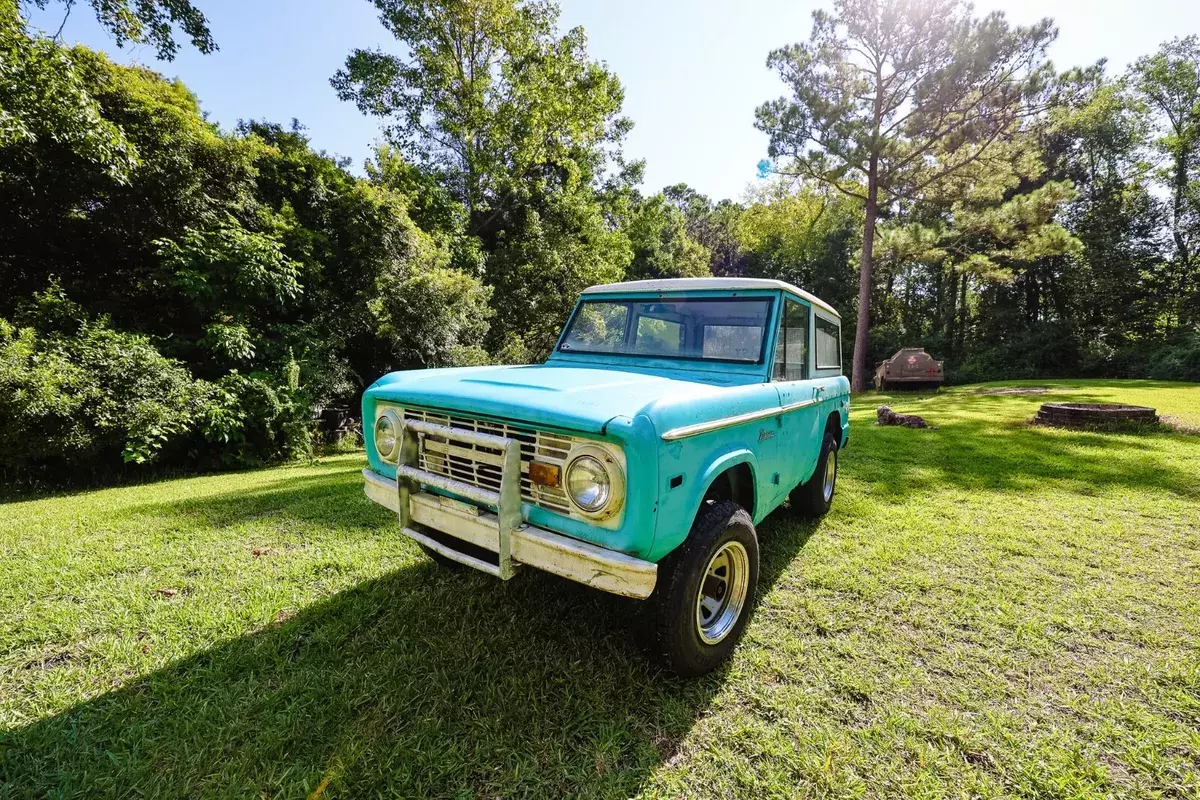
(909, 368)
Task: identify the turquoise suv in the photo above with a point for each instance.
(672, 417)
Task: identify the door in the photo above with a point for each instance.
(800, 430)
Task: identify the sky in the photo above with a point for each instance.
(693, 70)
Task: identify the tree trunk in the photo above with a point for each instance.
(951, 308)
(1032, 297)
(935, 322)
(861, 374)
(961, 335)
(1182, 253)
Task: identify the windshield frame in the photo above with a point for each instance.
(768, 327)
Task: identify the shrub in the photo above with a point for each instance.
(1175, 359)
(434, 318)
(250, 420)
(1043, 350)
(1178, 361)
(81, 400)
(86, 400)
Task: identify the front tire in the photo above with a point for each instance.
(814, 497)
(706, 591)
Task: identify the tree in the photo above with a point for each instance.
(1096, 138)
(661, 245)
(518, 124)
(489, 98)
(891, 97)
(146, 22)
(1169, 81)
(711, 225)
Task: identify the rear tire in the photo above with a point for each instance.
(706, 591)
(814, 497)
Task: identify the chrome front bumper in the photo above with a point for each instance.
(505, 533)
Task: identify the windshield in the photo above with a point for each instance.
(715, 329)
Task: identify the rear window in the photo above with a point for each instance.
(828, 344)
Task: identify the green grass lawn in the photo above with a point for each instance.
(992, 609)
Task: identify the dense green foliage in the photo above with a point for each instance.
(991, 610)
(1017, 222)
(1045, 227)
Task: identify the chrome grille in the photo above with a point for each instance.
(481, 466)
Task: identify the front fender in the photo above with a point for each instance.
(678, 506)
(723, 463)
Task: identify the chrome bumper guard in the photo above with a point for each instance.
(504, 532)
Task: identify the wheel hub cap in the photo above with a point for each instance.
(830, 475)
(722, 592)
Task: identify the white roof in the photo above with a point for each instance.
(662, 285)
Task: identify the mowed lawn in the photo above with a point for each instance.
(992, 609)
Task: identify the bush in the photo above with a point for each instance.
(253, 420)
(1179, 361)
(1044, 350)
(434, 318)
(1176, 359)
(90, 400)
(81, 400)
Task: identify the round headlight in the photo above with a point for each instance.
(588, 483)
(385, 436)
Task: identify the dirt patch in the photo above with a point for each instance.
(1021, 390)
(52, 660)
(1179, 426)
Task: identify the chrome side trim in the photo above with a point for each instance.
(740, 419)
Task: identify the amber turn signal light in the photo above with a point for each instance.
(545, 474)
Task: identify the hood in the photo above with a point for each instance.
(567, 397)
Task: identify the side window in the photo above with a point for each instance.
(828, 344)
(791, 348)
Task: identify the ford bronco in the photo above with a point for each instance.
(672, 416)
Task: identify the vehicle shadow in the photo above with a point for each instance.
(425, 682)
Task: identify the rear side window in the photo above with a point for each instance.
(828, 344)
(791, 346)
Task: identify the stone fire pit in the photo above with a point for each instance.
(1086, 415)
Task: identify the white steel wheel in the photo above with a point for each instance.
(722, 593)
(831, 462)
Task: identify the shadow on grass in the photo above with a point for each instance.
(333, 499)
(425, 682)
(985, 442)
